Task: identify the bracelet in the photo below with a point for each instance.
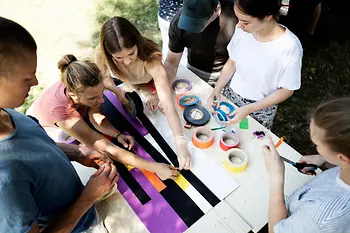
(116, 137)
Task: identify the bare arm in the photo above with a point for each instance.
(275, 97)
(157, 71)
(227, 71)
(165, 94)
(77, 128)
(171, 64)
(101, 123)
(277, 208)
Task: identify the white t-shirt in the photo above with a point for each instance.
(264, 67)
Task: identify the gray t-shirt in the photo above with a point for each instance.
(37, 180)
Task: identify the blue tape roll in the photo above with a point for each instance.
(196, 122)
(183, 98)
(223, 115)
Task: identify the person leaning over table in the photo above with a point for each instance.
(264, 68)
(205, 28)
(323, 204)
(136, 60)
(80, 93)
(39, 189)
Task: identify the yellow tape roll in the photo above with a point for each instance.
(236, 160)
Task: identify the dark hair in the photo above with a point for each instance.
(259, 8)
(118, 33)
(14, 40)
(78, 75)
(334, 118)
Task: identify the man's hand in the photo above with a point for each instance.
(101, 182)
(127, 141)
(273, 163)
(91, 158)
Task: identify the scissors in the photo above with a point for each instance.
(311, 168)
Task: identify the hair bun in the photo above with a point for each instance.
(65, 61)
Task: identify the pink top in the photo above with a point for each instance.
(53, 106)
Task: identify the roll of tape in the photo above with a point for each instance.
(202, 137)
(224, 110)
(196, 115)
(188, 100)
(182, 85)
(228, 141)
(236, 160)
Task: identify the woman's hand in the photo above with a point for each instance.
(183, 155)
(214, 100)
(273, 163)
(312, 159)
(127, 141)
(165, 171)
(152, 101)
(239, 114)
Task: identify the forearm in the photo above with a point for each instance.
(70, 150)
(277, 208)
(67, 221)
(227, 71)
(125, 157)
(172, 117)
(276, 97)
(101, 123)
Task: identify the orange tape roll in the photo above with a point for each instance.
(178, 97)
(228, 141)
(202, 137)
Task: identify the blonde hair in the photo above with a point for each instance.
(76, 75)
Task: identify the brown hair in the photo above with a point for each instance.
(15, 40)
(118, 33)
(334, 118)
(78, 75)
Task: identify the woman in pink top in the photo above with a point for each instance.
(136, 60)
(81, 91)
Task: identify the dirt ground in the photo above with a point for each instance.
(59, 27)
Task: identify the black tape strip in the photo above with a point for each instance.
(190, 177)
(196, 122)
(182, 204)
(132, 183)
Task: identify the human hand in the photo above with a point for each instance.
(165, 171)
(311, 159)
(239, 114)
(127, 141)
(91, 158)
(273, 162)
(214, 100)
(183, 155)
(152, 101)
(101, 182)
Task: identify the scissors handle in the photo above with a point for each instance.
(311, 168)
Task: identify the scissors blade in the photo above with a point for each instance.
(287, 160)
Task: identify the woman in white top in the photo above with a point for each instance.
(264, 67)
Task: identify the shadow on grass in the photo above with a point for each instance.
(325, 75)
(142, 13)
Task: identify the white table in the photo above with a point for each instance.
(243, 210)
(250, 201)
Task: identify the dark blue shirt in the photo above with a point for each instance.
(37, 180)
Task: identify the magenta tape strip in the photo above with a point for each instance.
(114, 100)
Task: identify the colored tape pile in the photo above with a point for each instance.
(236, 160)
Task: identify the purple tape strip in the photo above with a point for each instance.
(114, 100)
(157, 215)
